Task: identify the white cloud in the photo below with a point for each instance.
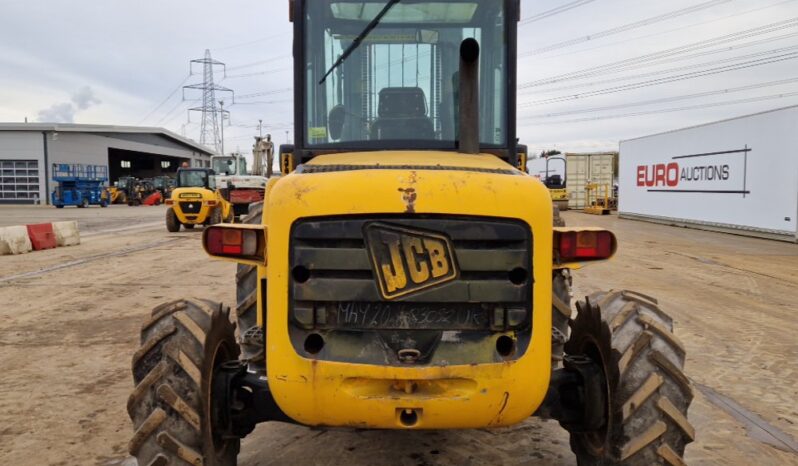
(65, 112)
(84, 98)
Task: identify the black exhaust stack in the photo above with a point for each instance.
(469, 97)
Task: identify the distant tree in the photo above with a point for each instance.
(549, 153)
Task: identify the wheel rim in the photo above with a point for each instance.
(596, 441)
(221, 354)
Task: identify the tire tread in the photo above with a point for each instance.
(170, 371)
(649, 392)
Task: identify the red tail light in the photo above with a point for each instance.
(169, 202)
(231, 242)
(210, 203)
(585, 245)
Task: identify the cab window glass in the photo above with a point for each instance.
(401, 83)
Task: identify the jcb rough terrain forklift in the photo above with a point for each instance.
(121, 189)
(164, 184)
(138, 191)
(405, 274)
(196, 201)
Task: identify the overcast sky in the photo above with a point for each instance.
(116, 62)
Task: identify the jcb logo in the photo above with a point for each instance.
(407, 261)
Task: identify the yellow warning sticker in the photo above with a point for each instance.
(319, 132)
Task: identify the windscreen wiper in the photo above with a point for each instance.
(360, 37)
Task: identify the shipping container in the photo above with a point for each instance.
(738, 175)
(584, 168)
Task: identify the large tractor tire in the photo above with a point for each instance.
(216, 216)
(647, 394)
(251, 338)
(561, 283)
(172, 223)
(558, 220)
(560, 314)
(182, 343)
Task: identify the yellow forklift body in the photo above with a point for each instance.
(317, 392)
(194, 206)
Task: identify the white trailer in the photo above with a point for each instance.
(738, 175)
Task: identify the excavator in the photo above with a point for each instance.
(238, 187)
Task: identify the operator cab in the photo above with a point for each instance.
(227, 165)
(384, 75)
(196, 178)
(555, 182)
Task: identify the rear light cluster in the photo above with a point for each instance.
(232, 242)
(585, 245)
(210, 203)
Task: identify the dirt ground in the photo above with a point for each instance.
(69, 322)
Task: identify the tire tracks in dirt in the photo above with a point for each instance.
(86, 260)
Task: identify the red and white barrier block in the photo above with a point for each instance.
(26, 238)
(66, 233)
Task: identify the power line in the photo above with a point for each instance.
(677, 109)
(554, 11)
(263, 102)
(182, 103)
(252, 42)
(263, 93)
(626, 27)
(677, 69)
(171, 94)
(749, 87)
(259, 73)
(662, 54)
(259, 62)
(668, 31)
(670, 79)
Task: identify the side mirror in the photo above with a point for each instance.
(335, 122)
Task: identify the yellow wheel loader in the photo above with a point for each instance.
(404, 273)
(196, 201)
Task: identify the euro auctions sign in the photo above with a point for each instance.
(722, 172)
(736, 174)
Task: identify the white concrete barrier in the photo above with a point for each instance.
(14, 240)
(67, 233)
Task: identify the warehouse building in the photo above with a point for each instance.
(29, 150)
(738, 175)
